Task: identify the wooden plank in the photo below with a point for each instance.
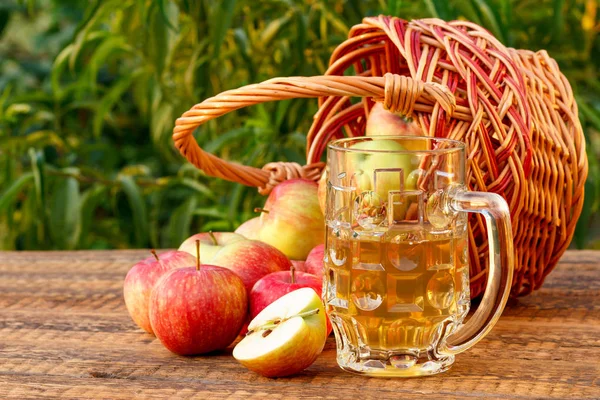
(64, 332)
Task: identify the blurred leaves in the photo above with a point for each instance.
(65, 212)
(89, 92)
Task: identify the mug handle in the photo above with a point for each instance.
(501, 265)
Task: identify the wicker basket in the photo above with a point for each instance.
(513, 108)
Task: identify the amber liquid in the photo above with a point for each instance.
(392, 292)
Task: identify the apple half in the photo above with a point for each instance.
(286, 337)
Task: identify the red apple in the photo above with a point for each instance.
(210, 243)
(142, 277)
(299, 265)
(251, 260)
(314, 262)
(273, 286)
(198, 309)
(249, 229)
(292, 220)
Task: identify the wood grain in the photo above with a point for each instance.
(65, 333)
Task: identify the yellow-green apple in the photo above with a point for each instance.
(382, 122)
(210, 243)
(380, 155)
(273, 286)
(251, 260)
(249, 229)
(199, 309)
(286, 337)
(314, 261)
(292, 219)
(142, 277)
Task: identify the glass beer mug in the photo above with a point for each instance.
(396, 255)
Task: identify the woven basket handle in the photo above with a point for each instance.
(398, 93)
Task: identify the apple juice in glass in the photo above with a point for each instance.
(397, 259)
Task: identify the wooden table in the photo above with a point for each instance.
(65, 332)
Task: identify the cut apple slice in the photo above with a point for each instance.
(286, 337)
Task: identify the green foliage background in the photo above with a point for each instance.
(89, 91)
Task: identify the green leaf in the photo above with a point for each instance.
(37, 139)
(37, 167)
(109, 46)
(162, 125)
(490, 20)
(180, 222)
(65, 212)
(394, 7)
(212, 212)
(198, 187)
(81, 34)
(273, 28)
(165, 11)
(439, 9)
(583, 224)
(10, 194)
(233, 136)
(217, 226)
(588, 112)
(110, 99)
(468, 11)
(558, 20)
(138, 209)
(60, 63)
(90, 200)
(160, 38)
(4, 18)
(220, 23)
(301, 42)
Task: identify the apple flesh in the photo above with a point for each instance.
(251, 260)
(293, 221)
(286, 337)
(249, 229)
(210, 243)
(198, 310)
(314, 262)
(142, 278)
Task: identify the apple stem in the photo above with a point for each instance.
(155, 255)
(197, 255)
(293, 274)
(261, 210)
(214, 239)
(272, 324)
